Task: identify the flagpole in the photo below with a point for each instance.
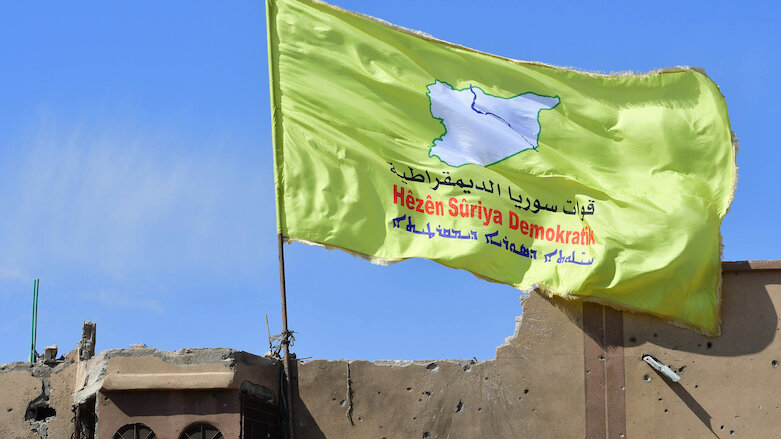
(285, 336)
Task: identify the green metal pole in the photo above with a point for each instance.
(35, 337)
(34, 323)
(32, 327)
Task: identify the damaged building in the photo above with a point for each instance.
(570, 370)
(141, 393)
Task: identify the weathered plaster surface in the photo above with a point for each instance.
(168, 413)
(62, 383)
(169, 391)
(24, 384)
(152, 369)
(169, 379)
(729, 385)
(17, 388)
(533, 388)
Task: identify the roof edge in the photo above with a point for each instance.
(768, 264)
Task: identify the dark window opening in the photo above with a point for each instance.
(135, 431)
(85, 419)
(201, 431)
(259, 418)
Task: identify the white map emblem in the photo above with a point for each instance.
(481, 129)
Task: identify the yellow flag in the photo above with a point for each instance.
(391, 144)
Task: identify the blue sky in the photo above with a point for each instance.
(136, 178)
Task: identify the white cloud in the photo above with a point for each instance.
(13, 274)
(128, 203)
(115, 299)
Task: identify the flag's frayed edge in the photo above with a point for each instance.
(540, 288)
(735, 148)
(431, 38)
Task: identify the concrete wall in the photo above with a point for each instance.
(25, 386)
(729, 385)
(168, 413)
(17, 388)
(534, 388)
(167, 391)
(572, 371)
(569, 371)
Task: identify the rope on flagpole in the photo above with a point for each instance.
(275, 341)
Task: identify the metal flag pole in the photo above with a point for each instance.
(285, 337)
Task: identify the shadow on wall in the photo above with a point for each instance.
(305, 425)
(749, 321)
(167, 403)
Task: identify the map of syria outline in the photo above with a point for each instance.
(483, 129)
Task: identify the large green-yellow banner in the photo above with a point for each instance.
(391, 144)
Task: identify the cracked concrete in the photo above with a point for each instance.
(503, 397)
(18, 388)
(149, 363)
(349, 397)
(39, 414)
(168, 391)
(37, 399)
(535, 387)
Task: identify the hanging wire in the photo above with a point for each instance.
(276, 342)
